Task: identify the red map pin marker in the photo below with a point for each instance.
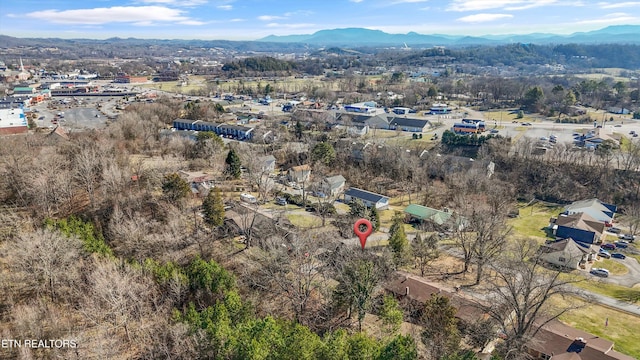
(363, 235)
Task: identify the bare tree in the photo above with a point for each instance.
(424, 250)
(295, 273)
(520, 294)
(87, 166)
(44, 262)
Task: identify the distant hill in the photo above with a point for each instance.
(365, 37)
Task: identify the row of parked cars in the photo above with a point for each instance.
(605, 253)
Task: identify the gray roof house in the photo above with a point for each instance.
(268, 163)
(333, 185)
(566, 253)
(593, 207)
(370, 199)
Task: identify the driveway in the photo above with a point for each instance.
(629, 279)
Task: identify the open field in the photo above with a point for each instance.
(304, 221)
(614, 267)
(622, 328)
(533, 220)
(289, 84)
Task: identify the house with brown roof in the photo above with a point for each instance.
(416, 289)
(566, 254)
(580, 226)
(299, 173)
(558, 341)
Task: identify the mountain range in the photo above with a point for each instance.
(629, 34)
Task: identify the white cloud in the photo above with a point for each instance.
(289, 26)
(225, 7)
(614, 18)
(270, 17)
(237, 20)
(177, 3)
(475, 5)
(606, 5)
(478, 18)
(356, 1)
(116, 14)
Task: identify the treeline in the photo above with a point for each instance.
(259, 64)
(579, 55)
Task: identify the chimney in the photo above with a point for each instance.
(406, 291)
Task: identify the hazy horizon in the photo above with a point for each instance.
(255, 19)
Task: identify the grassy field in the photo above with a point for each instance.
(533, 220)
(622, 293)
(304, 221)
(622, 328)
(614, 267)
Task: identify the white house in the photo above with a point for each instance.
(566, 253)
(333, 185)
(299, 173)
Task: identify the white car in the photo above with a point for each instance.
(600, 272)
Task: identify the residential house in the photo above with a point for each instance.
(416, 290)
(566, 253)
(201, 183)
(268, 163)
(580, 227)
(419, 213)
(409, 124)
(369, 199)
(593, 207)
(333, 186)
(558, 341)
(299, 173)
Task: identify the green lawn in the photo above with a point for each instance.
(304, 220)
(623, 293)
(622, 328)
(533, 220)
(614, 267)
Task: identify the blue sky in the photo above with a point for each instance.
(254, 19)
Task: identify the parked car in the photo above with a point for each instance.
(604, 253)
(600, 272)
(608, 246)
(621, 244)
(281, 201)
(615, 230)
(618, 256)
(544, 138)
(627, 237)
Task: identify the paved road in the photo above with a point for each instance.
(629, 279)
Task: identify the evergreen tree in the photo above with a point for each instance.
(440, 332)
(175, 188)
(324, 153)
(358, 209)
(391, 314)
(298, 130)
(398, 241)
(374, 217)
(213, 208)
(233, 164)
